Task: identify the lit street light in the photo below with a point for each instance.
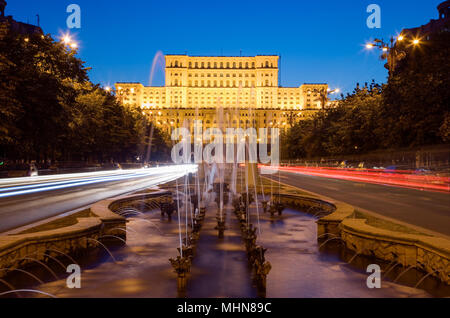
(334, 91)
(390, 50)
(67, 40)
(323, 95)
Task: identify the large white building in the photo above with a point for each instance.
(244, 89)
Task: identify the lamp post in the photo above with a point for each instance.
(291, 117)
(323, 95)
(67, 40)
(391, 51)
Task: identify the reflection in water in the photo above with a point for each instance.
(142, 268)
(220, 266)
(299, 270)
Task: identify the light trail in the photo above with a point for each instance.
(37, 179)
(402, 178)
(41, 185)
(85, 180)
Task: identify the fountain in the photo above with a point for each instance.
(159, 57)
(261, 240)
(279, 207)
(168, 207)
(182, 266)
(264, 205)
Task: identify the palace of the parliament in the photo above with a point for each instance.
(225, 91)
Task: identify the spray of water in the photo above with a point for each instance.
(157, 64)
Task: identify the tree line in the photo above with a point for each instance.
(51, 111)
(411, 110)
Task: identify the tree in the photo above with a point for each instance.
(50, 110)
(34, 71)
(417, 97)
(351, 127)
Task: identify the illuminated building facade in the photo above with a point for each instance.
(230, 91)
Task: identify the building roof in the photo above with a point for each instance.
(20, 27)
(444, 5)
(434, 26)
(272, 55)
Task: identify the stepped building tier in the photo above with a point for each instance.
(230, 91)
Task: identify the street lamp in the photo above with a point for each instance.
(323, 95)
(67, 39)
(390, 50)
(336, 90)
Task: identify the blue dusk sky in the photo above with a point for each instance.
(319, 41)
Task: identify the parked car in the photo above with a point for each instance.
(32, 170)
(17, 170)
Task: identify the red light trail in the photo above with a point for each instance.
(400, 178)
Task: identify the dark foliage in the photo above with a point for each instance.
(411, 110)
(49, 110)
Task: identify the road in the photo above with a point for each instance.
(27, 200)
(425, 209)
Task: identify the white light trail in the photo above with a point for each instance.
(116, 176)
